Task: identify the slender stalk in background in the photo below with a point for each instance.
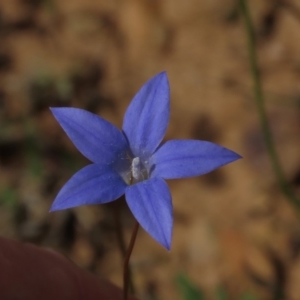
(260, 103)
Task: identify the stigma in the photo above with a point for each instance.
(139, 171)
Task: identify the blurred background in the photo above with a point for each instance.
(235, 235)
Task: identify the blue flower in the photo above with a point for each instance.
(133, 161)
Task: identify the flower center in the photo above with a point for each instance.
(139, 172)
(133, 170)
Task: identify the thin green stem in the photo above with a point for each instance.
(126, 261)
(260, 103)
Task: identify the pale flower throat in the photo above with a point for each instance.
(139, 171)
(133, 170)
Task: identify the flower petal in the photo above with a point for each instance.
(187, 158)
(94, 184)
(98, 140)
(151, 203)
(147, 116)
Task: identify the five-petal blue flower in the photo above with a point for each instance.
(134, 161)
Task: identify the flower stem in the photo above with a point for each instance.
(126, 261)
(121, 241)
(259, 98)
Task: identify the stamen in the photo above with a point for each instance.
(136, 168)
